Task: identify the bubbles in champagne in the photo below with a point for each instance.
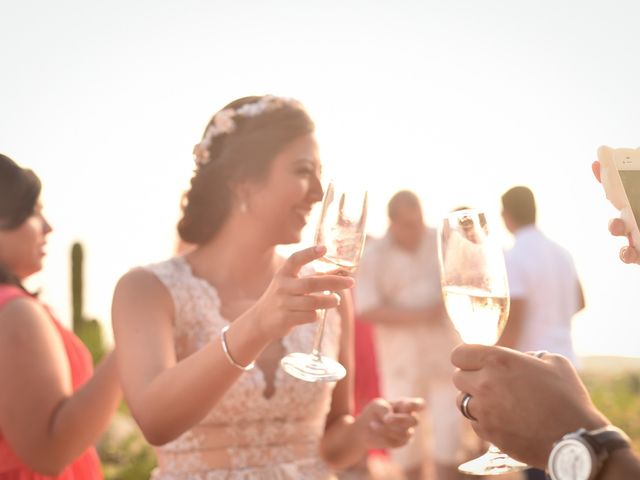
(478, 315)
(337, 266)
(345, 241)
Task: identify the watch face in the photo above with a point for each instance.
(571, 460)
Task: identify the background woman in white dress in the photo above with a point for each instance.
(208, 412)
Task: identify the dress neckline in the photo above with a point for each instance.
(211, 289)
(285, 341)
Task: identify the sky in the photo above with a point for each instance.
(457, 100)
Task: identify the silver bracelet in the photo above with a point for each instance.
(225, 349)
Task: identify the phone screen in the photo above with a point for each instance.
(631, 183)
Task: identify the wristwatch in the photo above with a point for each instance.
(581, 454)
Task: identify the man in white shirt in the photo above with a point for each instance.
(398, 290)
(543, 284)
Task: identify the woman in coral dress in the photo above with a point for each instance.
(53, 407)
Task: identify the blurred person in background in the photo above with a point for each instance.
(543, 285)
(53, 407)
(366, 388)
(398, 290)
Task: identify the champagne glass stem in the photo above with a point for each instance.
(317, 342)
(494, 449)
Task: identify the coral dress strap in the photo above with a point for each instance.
(9, 292)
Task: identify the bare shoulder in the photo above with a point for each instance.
(23, 318)
(140, 289)
(26, 334)
(140, 282)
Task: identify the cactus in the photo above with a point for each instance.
(77, 291)
(89, 330)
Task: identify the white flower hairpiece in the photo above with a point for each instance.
(223, 122)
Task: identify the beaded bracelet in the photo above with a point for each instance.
(225, 349)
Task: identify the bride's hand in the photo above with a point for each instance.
(387, 424)
(292, 300)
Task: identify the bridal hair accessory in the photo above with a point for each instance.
(223, 122)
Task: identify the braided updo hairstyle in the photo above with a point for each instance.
(19, 193)
(243, 152)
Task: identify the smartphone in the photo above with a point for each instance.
(620, 177)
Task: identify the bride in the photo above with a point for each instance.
(199, 336)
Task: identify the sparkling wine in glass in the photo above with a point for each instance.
(476, 295)
(341, 229)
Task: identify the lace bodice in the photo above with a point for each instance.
(247, 435)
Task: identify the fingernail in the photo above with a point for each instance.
(319, 248)
(624, 254)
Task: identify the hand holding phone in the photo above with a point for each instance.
(620, 177)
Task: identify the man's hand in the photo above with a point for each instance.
(521, 403)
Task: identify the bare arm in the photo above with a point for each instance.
(513, 328)
(381, 424)
(167, 396)
(42, 418)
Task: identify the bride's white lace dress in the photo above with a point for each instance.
(247, 435)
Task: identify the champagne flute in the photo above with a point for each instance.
(476, 295)
(341, 228)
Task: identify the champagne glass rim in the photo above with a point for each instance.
(466, 211)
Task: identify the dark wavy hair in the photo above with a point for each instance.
(19, 192)
(246, 153)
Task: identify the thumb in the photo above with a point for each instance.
(375, 412)
(378, 408)
(469, 356)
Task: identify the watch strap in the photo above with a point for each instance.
(607, 439)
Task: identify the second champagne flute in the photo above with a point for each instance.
(341, 229)
(476, 294)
